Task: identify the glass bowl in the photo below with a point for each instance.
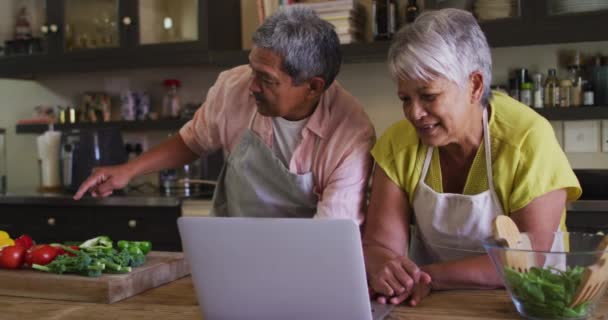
(547, 288)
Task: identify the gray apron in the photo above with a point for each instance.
(255, 183)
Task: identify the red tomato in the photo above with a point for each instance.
(41, 254)
(11, 257)
(25, 241)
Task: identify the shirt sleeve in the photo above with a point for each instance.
(384, 156)
(202, 133)
(345, 194)
(543, 167)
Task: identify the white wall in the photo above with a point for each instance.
(18, 99)
(369, 82)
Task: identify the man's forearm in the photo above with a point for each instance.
(171, 153)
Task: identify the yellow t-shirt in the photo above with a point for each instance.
(527, 160)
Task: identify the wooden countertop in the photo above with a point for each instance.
(177, 301)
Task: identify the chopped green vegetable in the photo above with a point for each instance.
(97, 256)
(101, 242)
(547, 292)
(144, 246)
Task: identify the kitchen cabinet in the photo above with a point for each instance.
(89, 35)
(530, 22)
(118, 34)
(51, 219)
(534, 22)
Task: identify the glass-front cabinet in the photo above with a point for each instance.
(564, 7)
(501, 20)
(164, 21)
(91, 24)
(24, 28)
(45, 36)
(570, 20)
(484, 10)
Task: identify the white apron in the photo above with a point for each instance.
(451, 226)
(255, 183)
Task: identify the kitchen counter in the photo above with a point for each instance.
(177, 301)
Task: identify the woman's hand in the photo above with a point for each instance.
(393, 278)
(421, 290)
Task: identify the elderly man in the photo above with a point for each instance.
(296, 143)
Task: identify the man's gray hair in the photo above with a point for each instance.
(446, 43)
(308, 45)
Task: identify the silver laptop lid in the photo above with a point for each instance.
(259, 268)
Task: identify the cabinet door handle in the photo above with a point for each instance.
(127, 21)
(132, 223)
(44, 29)
(54, 28)
(51, 221)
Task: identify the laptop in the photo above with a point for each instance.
(268, 268)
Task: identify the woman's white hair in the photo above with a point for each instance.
(446, 43)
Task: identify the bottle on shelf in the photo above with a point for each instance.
(575, 75)
(171, 100)
(552, 97)
(380, 19)
(588, 94)
(393, 17)
(411, 11)
(525, 93)
(537, 91)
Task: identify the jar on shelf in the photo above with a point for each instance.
(171, 100)
(537, 91)
(565, 88)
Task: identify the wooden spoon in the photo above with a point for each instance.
(594, 277)
(506, 232)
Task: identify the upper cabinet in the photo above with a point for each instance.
(85, 35)
(168, 21)
(530, 22)
(92, 25)
(42, 36)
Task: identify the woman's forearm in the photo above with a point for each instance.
(469, 273)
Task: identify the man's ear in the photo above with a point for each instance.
(316, 86)
(477, 84)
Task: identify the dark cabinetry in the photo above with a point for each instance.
(537, 22)
(86, 35)
(138, 39)
(50, 220)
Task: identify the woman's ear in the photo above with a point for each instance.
(316, 86)
(477, 84)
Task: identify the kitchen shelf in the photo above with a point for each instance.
(146, 125)
(574, 113)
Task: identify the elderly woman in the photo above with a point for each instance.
(463, 156)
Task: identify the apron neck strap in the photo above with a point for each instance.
(487, 148)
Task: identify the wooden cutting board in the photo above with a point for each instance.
(160, 268)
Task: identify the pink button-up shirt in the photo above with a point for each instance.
(342, 163)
